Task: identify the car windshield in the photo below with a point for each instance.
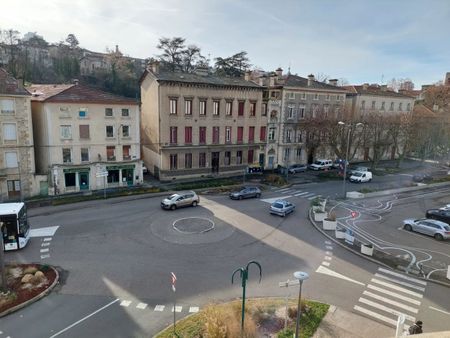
(172, 197)
(278, 205)
(357, 174)
(446, 228)
(318, 162)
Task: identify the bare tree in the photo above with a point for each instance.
(10, 38)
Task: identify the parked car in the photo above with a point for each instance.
(445, 207)
(361, 176)
(321, 165)
(351, 170)
(440, 215)
(246, 192)
(281, 207)
(339, 162)
(422, 177)
(439, 230)
(181, 199)
(297, 168)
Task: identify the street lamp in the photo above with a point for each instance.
(350, 126)
(300, 276)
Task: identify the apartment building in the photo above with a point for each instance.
(292, 102)
(198, 124)
(17, 166)
(85, 139)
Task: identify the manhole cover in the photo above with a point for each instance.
(193, 225)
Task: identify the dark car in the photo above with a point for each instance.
(297, 168)
(246, 192)
(440, 215)
(422, 177)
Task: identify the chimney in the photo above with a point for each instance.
(365, 86)
(247, 75)
(75, 82)
(333, 82)
(384, 88)
(154, 67)
(272, 79)
(310, 80)
(279, 72)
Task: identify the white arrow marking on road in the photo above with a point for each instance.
(271, 200)
(436, 309)
(43, 232)
(329, 272)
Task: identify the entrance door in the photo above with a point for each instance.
(261, 161)
(84, 181)
(271, 159)
(215, 156)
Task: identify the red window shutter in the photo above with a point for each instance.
(251, 134)
(250, 156)
(262, 134)
(241, 108)
(240, 134)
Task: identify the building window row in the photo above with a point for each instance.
(229, 110)
(202, 159)
(383, 106)
(67, 155)
(314, 96)
(84, 131)
(215, 137)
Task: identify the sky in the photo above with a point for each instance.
(362, 41)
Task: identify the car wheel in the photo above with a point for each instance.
(407, 227)
(173, 207)
(240, 197)
(439, 237)
(194, 204)
(258, 195)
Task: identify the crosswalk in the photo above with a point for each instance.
(390, 294)
(158, 307)
(298, 193)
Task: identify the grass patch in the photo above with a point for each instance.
(213, 183)
(274, 179)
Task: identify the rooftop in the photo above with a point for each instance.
(373, 90)
(298, 81)
(9, 85)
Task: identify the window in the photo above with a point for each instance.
(188, 160)
(382, 105)
(241, 105)
(67, 155)
(291, 95)
(9, 132)
(84, 131)
(373, 104)
(228, 134)
(13, 187)
(216, 105)
(299, 137)
(252, 108)
(187, 107)
(392, 106)
(326, 109)
(188, 135)
(240, 134)
(82, 113)
(126, 152)
(66, 132)
(315, 110)
(11, 159)
(173, 135)
(363, 104)
(202, 160)
(290, 111)
(215, 136)
(262, 133)
(108, 112)
(298, 153)
(408, 107)
(229, 108)
(173, 106)
(338, 97)
(303, 96)
(264, 109)
(301, 111)
(327, 97)
(84, 155)
(271, 134)
(227, 158)
(287, 154)
(173, 161)
(202, 135)
(251, 134)
(316, 96)
(400, 106)
(202, 107)
(288, 135)
(7, 106)
(109, 131)
(125, 131)
(125, 112)
(250, 156)
(111, 153)
(239, 157)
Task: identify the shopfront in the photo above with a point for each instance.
(120, 175)
(76, 179)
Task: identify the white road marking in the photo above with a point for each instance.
(327, 258)
(398, 288)
(302, 193)
(141, 306)
(332, 273)
(412, 286)
(313, 197)
(409, 175)
(329, 253)
(45, 244)
(271, 200)
(177, 308)
(327, 242)
(310, 194)
(328, 247)
(390, 301)
(393, 294)
(280, 190)
(418, 281)
(385, 308)
(375, 315)
(47, 239)
(159, 308)
(43, 232)
(44, 250)
(125, 303)
(194, 309)
(45, 256)
(436, 309)
(326, 263)
(84, 318)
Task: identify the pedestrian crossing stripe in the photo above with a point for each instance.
(385, 309)
(177, 308)
(412, 286)
(394, 294)
(411, 279)
(141, 306)
(301, 193)
(125, 303)
(159, 308)
(280, 190)
(193, 309)
(390, 301)
(377, 316)
(398, 288)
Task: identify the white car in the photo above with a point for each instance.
(361, 176)
(321, 165)
(446, 207)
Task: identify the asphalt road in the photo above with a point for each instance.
(116, 257)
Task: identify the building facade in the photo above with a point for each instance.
(17, 166)
(199, 124)
(85, 139)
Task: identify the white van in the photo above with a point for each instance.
(361, 176)
(321, 165)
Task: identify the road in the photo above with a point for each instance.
(116, 257)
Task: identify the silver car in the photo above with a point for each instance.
(181, 199)
(246, 192)
(281, 207)
(430, 227)
(297, 168)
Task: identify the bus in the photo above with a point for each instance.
(14, 225)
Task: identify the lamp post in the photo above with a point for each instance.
(350, 126)
(300, 276)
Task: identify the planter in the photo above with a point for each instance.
(320, 216)
(318, 208)
(340, 233)
(329, 224)
(367, 249)
(349, 238)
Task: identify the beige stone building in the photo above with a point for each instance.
(81, 133)
(16, 140)
(199, 124)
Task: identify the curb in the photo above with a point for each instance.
(35, 298)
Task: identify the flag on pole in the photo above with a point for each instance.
(174, 280)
